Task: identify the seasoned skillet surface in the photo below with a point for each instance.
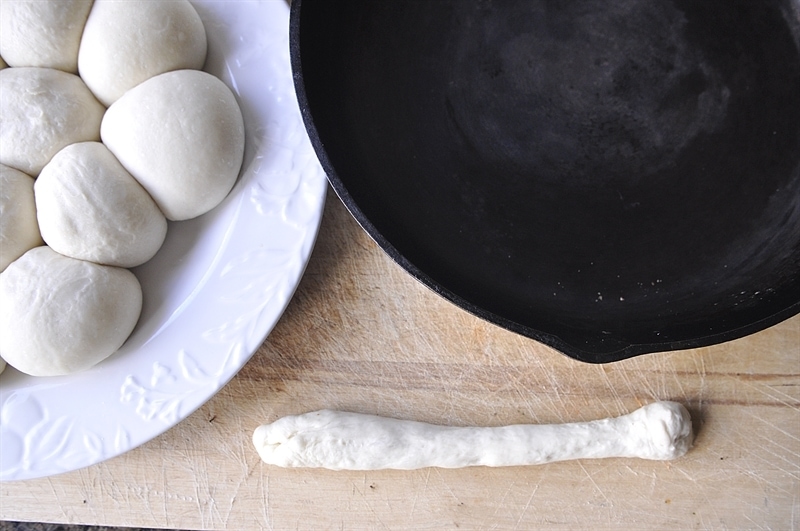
(608, 178)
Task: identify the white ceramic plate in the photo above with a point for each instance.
(213, 292)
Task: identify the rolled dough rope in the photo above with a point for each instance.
(352, 441)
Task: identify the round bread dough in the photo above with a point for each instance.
(90, 207)
(19, 230)
(44, 33)
(61, 315)
(125, 43)
(181, 135)
(43, 110)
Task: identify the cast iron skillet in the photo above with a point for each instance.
(608, 178)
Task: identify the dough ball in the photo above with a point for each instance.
(91, 208)
(44, 33)
(125, 43)
(19, 230)
(43, 110)
(181, 135)
(61, 315)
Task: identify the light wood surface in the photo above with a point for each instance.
(362, 335)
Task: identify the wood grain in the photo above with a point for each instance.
(361, 335)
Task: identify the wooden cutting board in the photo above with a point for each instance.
(361, 335)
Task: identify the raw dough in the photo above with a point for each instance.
(61, 315)
(91, 208)
(126, 43)
(19, 230)
(351, 441)
(181, 135)
(43, 110)
(44, 33)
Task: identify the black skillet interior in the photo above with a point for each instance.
(608, 178)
